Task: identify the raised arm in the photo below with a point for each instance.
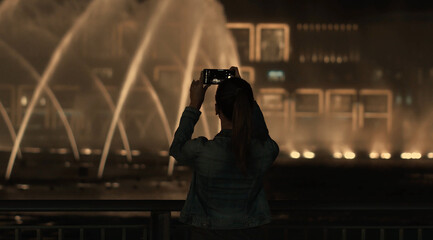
(183, 148)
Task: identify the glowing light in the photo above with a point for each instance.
(295, 154)
(18, 219)
(349, 155)
(337, 155)
(302, 58)
(385, 155)
(430, 155)
(32, 150)
(314, 58)
(135, 153)
(24, 101)
(416, 155)
(374, 155)
(86, 151)
(23, 187)
(326, 59)
(349, 27)
(324, 26)
(62, 151)
(163, 153)
(336, 27)
(406, 155)
(308, 155)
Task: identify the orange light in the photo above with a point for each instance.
(86, 151)
(295, 154)
(416, 155)
(385, 155)
(406, 155)
(308, 155)
(337, 155)
(349, 155)
(374, 155)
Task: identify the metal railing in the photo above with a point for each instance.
(162, 226)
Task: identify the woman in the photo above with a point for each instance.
(226, 199)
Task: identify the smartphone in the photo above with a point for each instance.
(216, 76)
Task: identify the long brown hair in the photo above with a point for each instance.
(234, 98)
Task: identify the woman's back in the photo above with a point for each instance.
(226, 190)
(221, 195)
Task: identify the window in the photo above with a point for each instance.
(340, 106)
(274, 103)
(272, 42)
(276, 76)
(327, 43)
(244, 37)
(376, 109)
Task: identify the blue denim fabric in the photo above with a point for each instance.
(220, 195)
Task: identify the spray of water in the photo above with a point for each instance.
(120, 124)
(204, 119)
(132, 74)
(61, 49)
(7, 7)
(159, 107)
(35, 75)
(192, 54)
(9, 125)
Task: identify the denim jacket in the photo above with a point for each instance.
(221, 196)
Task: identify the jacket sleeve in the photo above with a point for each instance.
(184, 149)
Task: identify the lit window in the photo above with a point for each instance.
(272, 42)
(276, 76)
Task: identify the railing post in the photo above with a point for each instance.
(160, 225)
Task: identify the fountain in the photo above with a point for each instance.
(73, 54)
(35, 75)
(131, 77)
